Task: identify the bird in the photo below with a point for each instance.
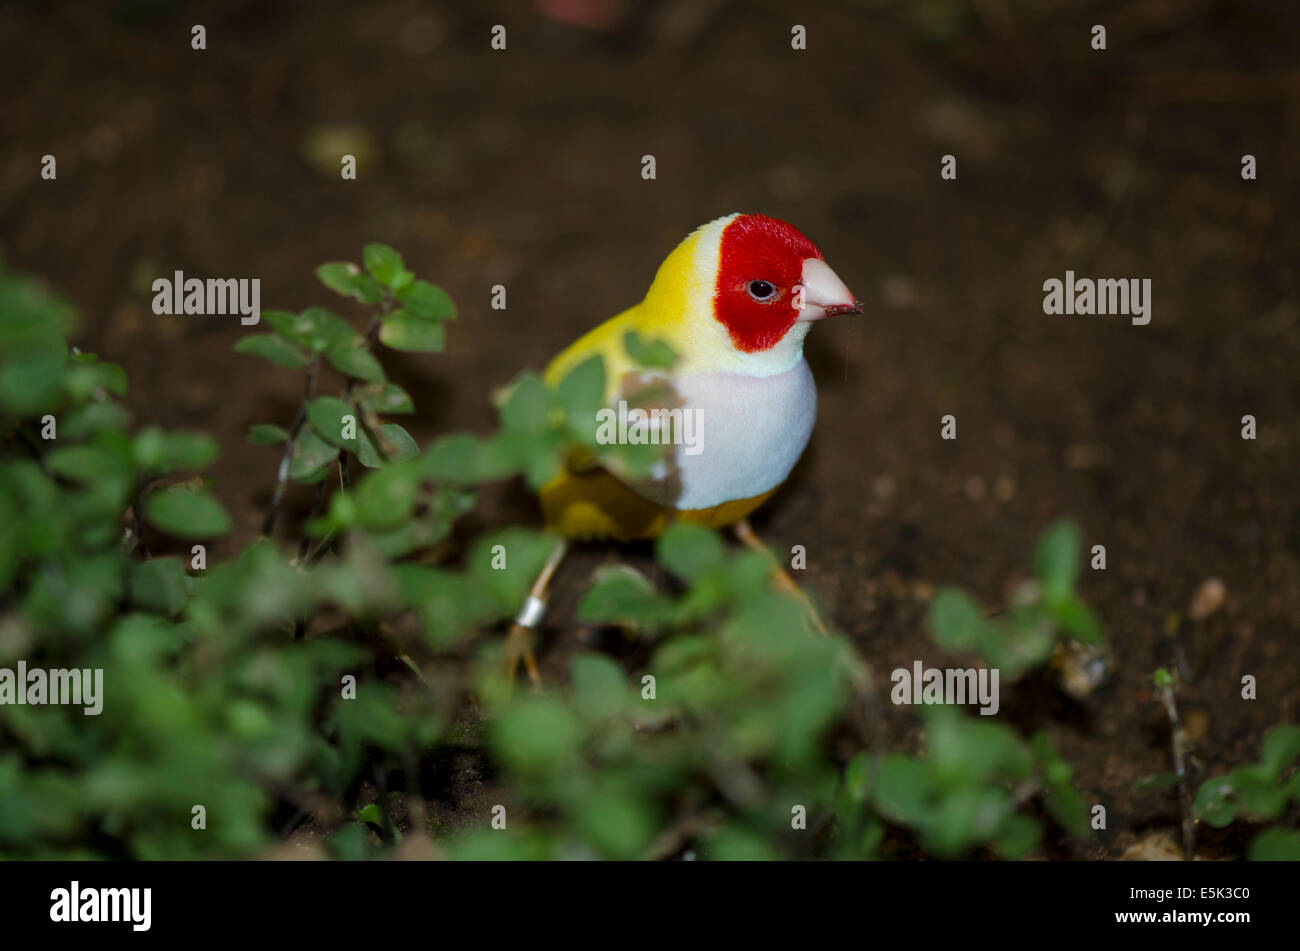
(734, 302)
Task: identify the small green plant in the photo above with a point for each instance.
(1259, 792)
(712, 741)
(1045, 613)
(247, 697)
(967, 789)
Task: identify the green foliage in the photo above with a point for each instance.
(654, 354)
(1044, 613)
(187, 513)
(1258, 792)
(967, 790)
(305, 684)
(1276, 845)
(729, 710)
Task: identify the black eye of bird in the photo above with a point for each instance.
(761, 290)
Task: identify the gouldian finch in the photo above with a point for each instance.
(734, 301)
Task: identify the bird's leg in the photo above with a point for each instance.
(781, 578)
(519, 642)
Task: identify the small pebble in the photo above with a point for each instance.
(1209, 598)
(1157, 847)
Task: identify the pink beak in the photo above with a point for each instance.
(824, 294)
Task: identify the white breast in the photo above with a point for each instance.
(749, 430)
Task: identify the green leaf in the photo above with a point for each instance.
(536, 734)
(599, 686)
(736, 843)
(87, 374)
(956, 620)
(689, 551)
(453, 458)
(1280, 749)
(189, 450)
(581, 394)
(347, 279)
(315, 329)
(403, 444)
(1056, 559)
(352, 359)
(1056, 771)
(330, 416)
(967, 748)
(1258, 794)
(389, 398)
(311, 457)
(467, 459)
(186, 513)
(384, 264)
(267, 434)
(528, 406)
(159, 585)
(158, 452)
(620, 594)
(857, 778)
(618, 824)
(410, 334)
(274, 348)
(385, 498)
(92, 418)
(1247, 790)
(1215, 801)
(648, 353)
(427, 302)
(1157, 781)
(505, 582)
(87, 464)
(1276, 845)
(904, 787)
(1017, 836)
(32, 376)
(1068, 808)
(350, 843)
(1078, 620)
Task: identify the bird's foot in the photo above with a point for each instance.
(781, 579)
(519, 649)
(784, 583)
(519, 642)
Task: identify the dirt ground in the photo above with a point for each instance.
(522, 167)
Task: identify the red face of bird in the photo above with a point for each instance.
(770, 277)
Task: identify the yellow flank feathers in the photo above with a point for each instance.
(594, 504)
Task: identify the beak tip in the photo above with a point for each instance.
(838, 310)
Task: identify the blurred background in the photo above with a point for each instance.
(522, 167)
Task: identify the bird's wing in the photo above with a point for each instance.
(625, 381)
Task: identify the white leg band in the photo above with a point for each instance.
(531, 614)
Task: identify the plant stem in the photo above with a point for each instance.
(1180, 751)
(286, 458)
